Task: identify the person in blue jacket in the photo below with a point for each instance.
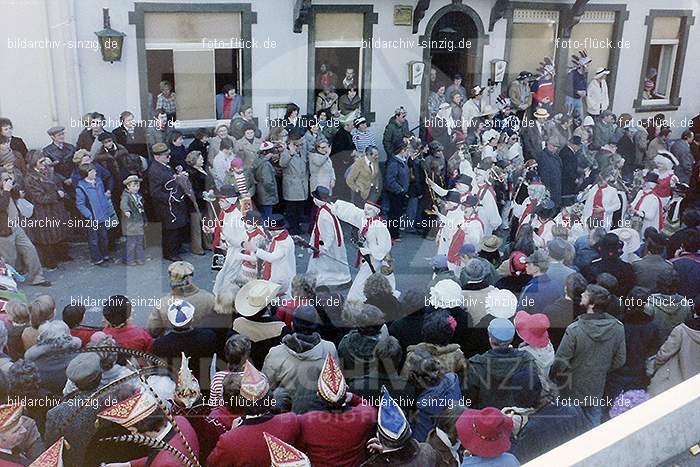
(94, 204)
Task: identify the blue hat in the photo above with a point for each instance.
(439, 262)
(392, 427)
(467, 249)
(501, 330)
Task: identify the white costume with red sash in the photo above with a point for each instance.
(664, 185)
(450, 223)
(249, 266)
(229, 234)
(280, 264)
(327, 239)
(650, 206)
(471, 231)
(543, 232)
(376, 245)
(601, 196)
(525, 211)
(488, 209)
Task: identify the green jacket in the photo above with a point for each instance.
(592, 347)
(134, 223)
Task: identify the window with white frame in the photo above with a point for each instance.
(198, 53)
(661, 59)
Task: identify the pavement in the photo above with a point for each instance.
(79, 281)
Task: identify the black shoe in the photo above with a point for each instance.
(42, 284)
(173, 258)
(98, 263)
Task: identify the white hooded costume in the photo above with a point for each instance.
(375, 240)
(279, 258)
(609, 201)
(327, 236)
(232, 236)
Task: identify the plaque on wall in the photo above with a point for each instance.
(403, 15)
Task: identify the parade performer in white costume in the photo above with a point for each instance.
(648, 205)
(488, 207)
(279, 257)
(525, 211)
(450, 221)
(229, 235)
(601, 202)
(256, 238)
(545, 214)
(329, 258)
(470, 231)
(374, 241)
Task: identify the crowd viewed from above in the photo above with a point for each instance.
(564, 291)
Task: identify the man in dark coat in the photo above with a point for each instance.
(569, 171)
(549, 166)
(16, 143)
(396, 183)
(534, 133)
(652, 266)
(395, 131)
(691, 221)
(610, 249)
(491, 378)
(132, 136)
(59, 151)
(170, 201)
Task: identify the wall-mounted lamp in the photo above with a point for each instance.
(111, 41)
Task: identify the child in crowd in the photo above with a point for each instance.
(117, 312)
(41, 310)
(133, 221)
(73, 316)
(18, 321)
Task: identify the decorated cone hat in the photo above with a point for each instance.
(130, 411)
(9, 415)
(393, 429)
(254, 385)
(331, 382)
(52, 457)
(283, 454)
(187, 390)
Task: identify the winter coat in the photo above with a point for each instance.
(668, 311)
(678, 359)
(681, 149)
(397, 176)
(622, 271)
(569, 171)
(688, 268)
(593, 346)
(539, 293)
(247, 150)
(602, 133)
(310, 141)
(238, 122)
(347, 105)
(356, 353)
(450, 357)
(559, 136)
(433, 401)
(532, 139)
(64, 157)
(297, 362)
(489, 377)
(393, 134)
(92, 202)
(52, 364)
(655, 145)
(295, 176)
(550, 168)
(321, 171)
(42, 192)
(561, 315)
(168, 199)
(641, 342)
(266, 183)
(82, 411)
(648, 270)
(548, 428)
(130, 336)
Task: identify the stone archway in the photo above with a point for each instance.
(453, 23)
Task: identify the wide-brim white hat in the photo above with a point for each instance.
(501, 303)
(254, 296)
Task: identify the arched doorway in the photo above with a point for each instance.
(455, 40)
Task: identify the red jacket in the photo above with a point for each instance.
(83, 333)
(244, 445)
(131, 337)
(338, 438)
(224, 416)
(165, 458)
